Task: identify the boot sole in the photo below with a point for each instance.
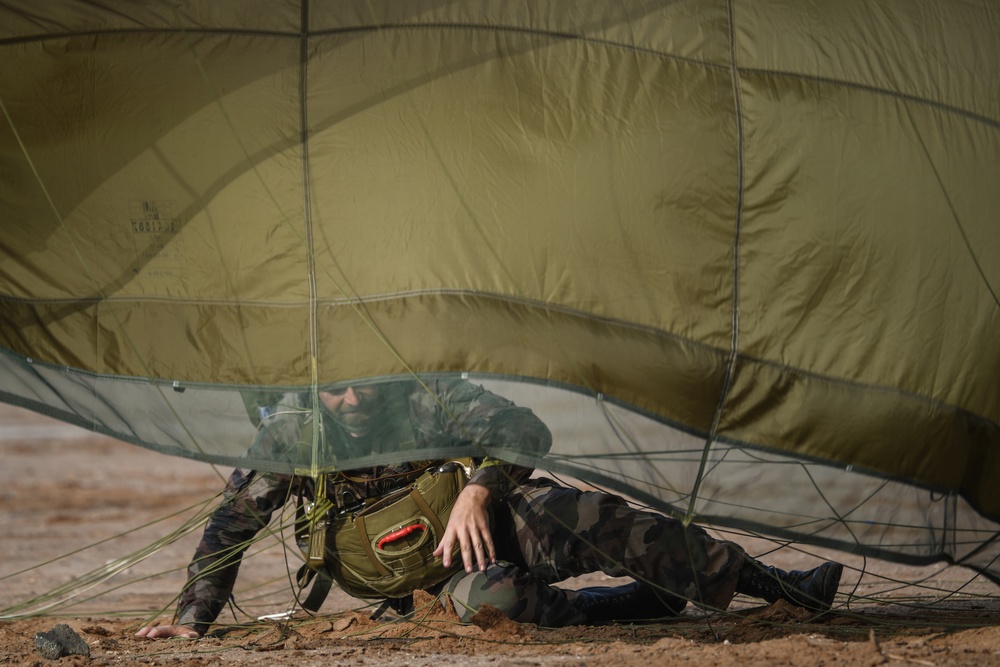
(832, 572)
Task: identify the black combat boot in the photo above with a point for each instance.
(813, 589)
(632, 602)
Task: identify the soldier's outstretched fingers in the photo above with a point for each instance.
(161, 631)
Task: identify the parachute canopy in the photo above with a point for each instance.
(741, 256)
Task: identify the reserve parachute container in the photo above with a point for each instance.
(740, 255)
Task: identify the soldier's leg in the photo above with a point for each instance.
(525, 598)
(563, 532)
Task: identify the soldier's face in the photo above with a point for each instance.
(353, 407)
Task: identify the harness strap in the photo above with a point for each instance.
(321, 585)
(421, 469)
(428, 513)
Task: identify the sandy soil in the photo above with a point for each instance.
(74, 506)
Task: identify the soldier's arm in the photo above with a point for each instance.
(249, 501)
(499, 428)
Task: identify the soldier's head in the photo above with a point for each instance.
(353, 407)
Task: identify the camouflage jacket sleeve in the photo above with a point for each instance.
(499, 430)
(249, 500)
(499, 477)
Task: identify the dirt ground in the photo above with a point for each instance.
(82, 525)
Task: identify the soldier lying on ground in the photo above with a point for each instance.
(507, 539)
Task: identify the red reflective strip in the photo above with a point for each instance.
(402, 532)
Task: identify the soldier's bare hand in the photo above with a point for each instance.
(469, 525)
(160, 631)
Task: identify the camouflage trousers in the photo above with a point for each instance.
(545, 533)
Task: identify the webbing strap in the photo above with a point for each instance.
(322, 582)
(428, 513)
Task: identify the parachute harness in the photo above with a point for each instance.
(317, 522)
(382, 546)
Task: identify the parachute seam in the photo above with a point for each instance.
(307, 220)
(909, 97)
(885, 389)
(733, 356)
(480, 27)
(956, 218)
(361, 300)
(477, 27)
(515, 29)
(10, 41)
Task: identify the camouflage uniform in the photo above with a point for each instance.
(543, 532)
(546, 533)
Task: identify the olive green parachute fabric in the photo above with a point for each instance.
(741, 256)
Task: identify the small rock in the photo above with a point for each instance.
(59, 642)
